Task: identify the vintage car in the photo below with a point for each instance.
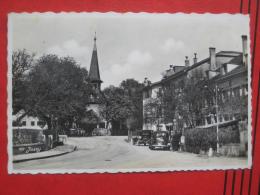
(160, 140)
(143, 137)
(101, 132)
(77, 132)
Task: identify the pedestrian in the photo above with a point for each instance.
(176, 141)
(182, 143)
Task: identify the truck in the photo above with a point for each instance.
(27, 140)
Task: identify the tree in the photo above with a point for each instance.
(133, 94)
(170, 102)
(22, 62)
(57, 90)
(153, 110)
(123, 104)
(183, 100)
(115, 106)
(194, 97)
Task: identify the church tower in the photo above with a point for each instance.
(94, 74)
(93, 117)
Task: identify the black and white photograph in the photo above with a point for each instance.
(128, 92)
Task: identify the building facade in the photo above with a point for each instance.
(201, 93)
(25, 121)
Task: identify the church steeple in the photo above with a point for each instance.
(94, 74)
(95, 44)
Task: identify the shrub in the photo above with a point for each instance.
(228, 135)
(198, 139)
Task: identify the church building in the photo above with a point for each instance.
(93, 118)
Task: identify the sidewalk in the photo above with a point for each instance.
(58, 151)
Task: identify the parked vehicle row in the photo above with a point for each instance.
(83, 133)
(101, 132)
(77, 132)
(154, 139)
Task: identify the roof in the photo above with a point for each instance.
(179, 73)
(152, 85)
(94, 74)
(229, 53)
(155, 83)
(237, 70)
(237, 60)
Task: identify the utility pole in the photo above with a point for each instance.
(216, 92)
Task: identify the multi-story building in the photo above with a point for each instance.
(223, 91)
(230, 89)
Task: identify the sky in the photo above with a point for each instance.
(130, 45)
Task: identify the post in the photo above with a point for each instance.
(217, 118)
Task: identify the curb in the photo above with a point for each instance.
(44, 157)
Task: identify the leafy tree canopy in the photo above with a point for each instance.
(124, 102)
(57, 88)
(22, 62)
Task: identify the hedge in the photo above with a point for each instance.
(228, 135)
(198, 139)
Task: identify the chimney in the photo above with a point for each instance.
(244, 47)
(212, 55)
(195, 59)
(187, 62)
(145, 81)
(246, 60)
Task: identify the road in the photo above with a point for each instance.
(113, 152)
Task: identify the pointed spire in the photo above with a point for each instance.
(95, 40)
(94, 67)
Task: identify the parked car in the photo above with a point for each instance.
(160, 140)
(101, 132)
(77, 132)
(143, 137)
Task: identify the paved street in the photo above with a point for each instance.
(112, 152)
